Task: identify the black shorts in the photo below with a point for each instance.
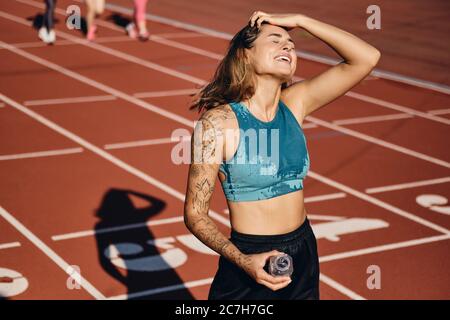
(233, 283)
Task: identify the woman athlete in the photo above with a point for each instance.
(248, 103)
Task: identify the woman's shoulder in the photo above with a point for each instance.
(219, 117)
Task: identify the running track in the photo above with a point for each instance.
(86, 145)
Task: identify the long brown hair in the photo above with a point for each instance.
(233, 80)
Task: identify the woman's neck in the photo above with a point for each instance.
(265, 100)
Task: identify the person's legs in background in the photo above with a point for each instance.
(94, 9)
(46, 32)
(139, 27)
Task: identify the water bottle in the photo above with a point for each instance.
(281, 265)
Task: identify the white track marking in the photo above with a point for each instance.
(149, 94)
(382, 248)
(397, 107)
(309, 126)
(440, 111)
(9, 245)
(112, 39)
(105, 155)
(50, 253)
(39, 44)
(181, 286)
(69, 100)
(378, 202)
(371, 119)
(166, 93)
(330, 196)
(186, 47)
(170, 190)
(379, 142)
(89, 233)
(180, 35)
(141, 143)
(40, 154)
(339, 287)
(407, 185)
(322, 217)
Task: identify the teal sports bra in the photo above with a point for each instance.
(271, 159)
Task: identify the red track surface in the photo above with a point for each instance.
(45, 199)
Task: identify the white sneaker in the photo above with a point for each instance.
(43, 34)
(51, 36)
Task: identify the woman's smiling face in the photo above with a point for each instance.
(273, 53)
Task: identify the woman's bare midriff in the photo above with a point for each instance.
(272, 216)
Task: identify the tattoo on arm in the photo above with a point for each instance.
(202, 177)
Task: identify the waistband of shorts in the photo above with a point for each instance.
(296, 234)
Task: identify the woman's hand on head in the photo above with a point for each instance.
(281, 20)
(254, 266)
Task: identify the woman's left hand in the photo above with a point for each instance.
(282, 20)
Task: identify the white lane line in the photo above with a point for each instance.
(398, 107)
(322, 217)
(39, 154)
(407, 185)
(181, 286)
(105, 155)
(330, 196)
(51, 254)
(186, 47)
(163, 186)
(379, 142)
(440, 111)
(166, 93)
(148, 94)
(378, 203)
(141, 143)
(39, 44)
(371, 119)
(9, 245)
(339, 287)
(180, 35)
(69, 100)
(382, 248)
(111, 39)
(89, 233)
(98, 85)
(302, 54)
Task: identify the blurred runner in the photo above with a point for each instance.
(46, 32)
(138, 28)
(94, 9)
